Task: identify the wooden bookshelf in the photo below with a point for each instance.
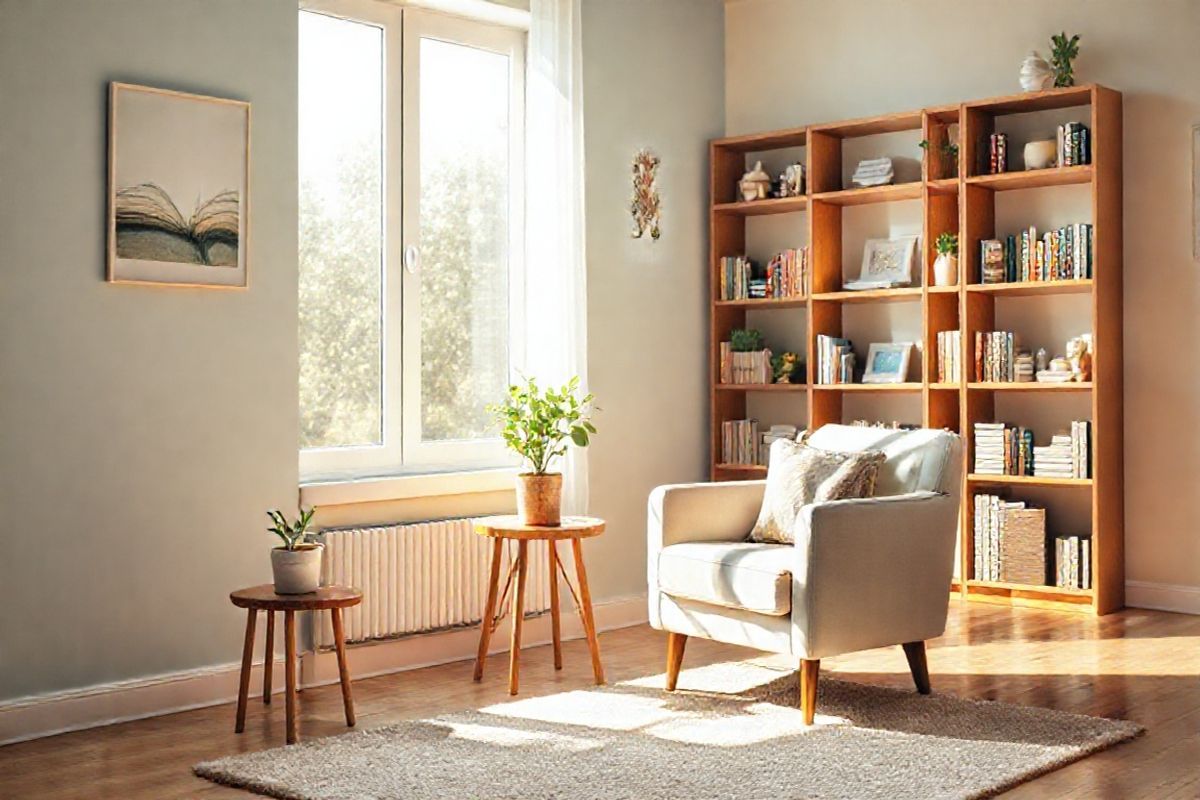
(964, 203)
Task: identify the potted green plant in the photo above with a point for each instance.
(945, 266)
(537, 425)
(296, 564)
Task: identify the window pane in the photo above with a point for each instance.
(464, 227)
(341, 232)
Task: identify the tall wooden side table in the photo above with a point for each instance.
(256, 598)
(574, 529)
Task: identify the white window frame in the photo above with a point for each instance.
(403, 451)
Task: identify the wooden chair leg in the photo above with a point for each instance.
(269, 658)
(585, 611)
(489, 612)
(810, 670)
(244, 683)
(915, 653)
(675, 644)
(339, 638)
(518, 617)
(289, 645)
(555, 625)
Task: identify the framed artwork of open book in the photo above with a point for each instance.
(178, 188)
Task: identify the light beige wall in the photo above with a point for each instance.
(142, 431)
(792, 62)
(652, 78)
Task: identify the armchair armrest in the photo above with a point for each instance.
(872, 572)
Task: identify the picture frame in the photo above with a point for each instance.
(888, 362)
(887, 263)
(178, 188)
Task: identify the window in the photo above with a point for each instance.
(411, 148)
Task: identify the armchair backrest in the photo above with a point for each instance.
(917, 460)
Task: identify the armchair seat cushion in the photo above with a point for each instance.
(744, 575)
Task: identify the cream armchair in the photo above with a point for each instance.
(861, 574)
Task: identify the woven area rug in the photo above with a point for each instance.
(731, 731)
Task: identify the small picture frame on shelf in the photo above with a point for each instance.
(886, 264)
(887, 362)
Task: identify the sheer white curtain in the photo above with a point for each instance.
(555, 318)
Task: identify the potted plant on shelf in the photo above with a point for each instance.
(296, 565)
(536, 424)
(945, 266)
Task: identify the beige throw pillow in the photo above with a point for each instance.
(800, 475)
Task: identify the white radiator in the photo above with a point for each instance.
(424, 576)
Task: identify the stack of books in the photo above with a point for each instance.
(753, 367)
(1003, 450)
(1058, 255)
(1073, 562)
(998, 153)
(770, 437)
(1074, 144)
(835, 360)
(736, 272)
(739, 441)
(995, 356)
(990, 535)
(1067, 455)
(949, 354)
(787, 274)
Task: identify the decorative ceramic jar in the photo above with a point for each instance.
(539, 498)
(297, 571)
(1040, 155)
(1036, 74)
(945, 270)
(755, 184)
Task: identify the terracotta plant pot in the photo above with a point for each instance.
(297, 571)
(539, 498)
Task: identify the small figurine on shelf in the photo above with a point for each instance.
(791, 181)
(755, 184)
(787, 367)
(1080, 355)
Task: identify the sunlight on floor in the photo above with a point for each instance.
(509, 737)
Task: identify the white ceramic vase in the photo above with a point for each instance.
(945, 270)
(297, 571)
(1040, 155)
(1036, 73)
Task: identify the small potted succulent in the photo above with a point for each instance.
(297, 563)
(537, 424)
(945, 266)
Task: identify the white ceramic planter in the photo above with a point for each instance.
(297, 571)
(1041, 154)
(945, 270)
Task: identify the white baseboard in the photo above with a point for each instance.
(121, 701)
(1163, 596)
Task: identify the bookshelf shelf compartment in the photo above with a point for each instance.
(1032, 288)
(1031, 386)
(764, 303)
(872, 194)
(900, 295)
(759, 208)
(1027, 480)
(1034, 178)
(868, 387)
(761, 387)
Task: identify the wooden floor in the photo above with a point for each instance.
(1139, 665)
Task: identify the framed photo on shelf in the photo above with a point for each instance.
(888, 362)
(886, 263)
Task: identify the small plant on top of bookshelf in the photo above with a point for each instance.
(1063, 52)
(744, 360)
(1059, 255)
(945, 266)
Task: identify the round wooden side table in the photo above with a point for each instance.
(500, 529)
(256, 598)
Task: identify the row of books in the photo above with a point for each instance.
(995, 356)
(753, 367)
(1073, 562)
(1003, 450)
(1074, 144)
(1009, 541)
(1058, 255)
(835, 360)
(949, 356)
(1067, 455)
(740, 441)
(997, 153)
(785, 276)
